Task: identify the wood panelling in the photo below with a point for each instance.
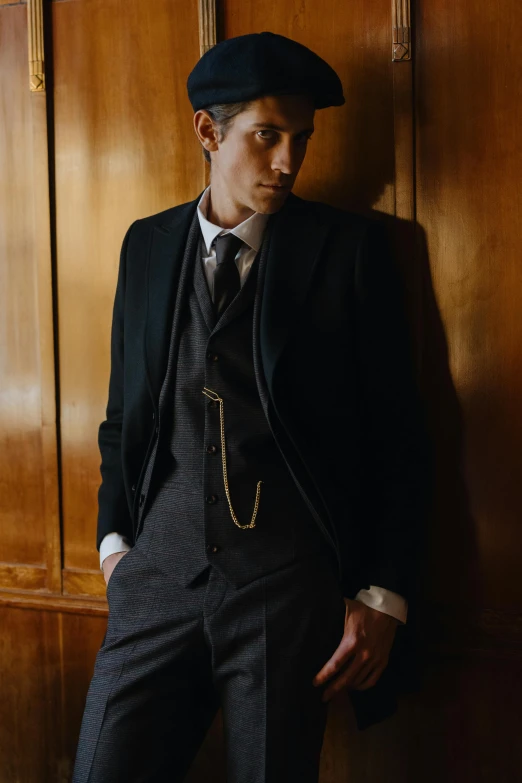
(22, 533)
(125, 148)
(469, 211)
(47, 661)
(75, 604)
(83, 582)
(21, 577)
(29, 526)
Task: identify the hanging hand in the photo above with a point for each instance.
(363, 652)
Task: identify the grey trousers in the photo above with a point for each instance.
(173, 655)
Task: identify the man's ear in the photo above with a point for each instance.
(205, 130)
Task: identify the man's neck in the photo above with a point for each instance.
(223, 210)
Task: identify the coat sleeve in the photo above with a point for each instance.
(113, 510)
(396, 450)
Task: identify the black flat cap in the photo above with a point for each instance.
(251, 66)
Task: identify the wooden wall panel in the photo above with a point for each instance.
(125, 148)
(29, 680)
(350, 160)
(46, 665)
(29, 533)
(21, 531)
(469, 168)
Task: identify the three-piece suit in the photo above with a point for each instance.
(312, 363)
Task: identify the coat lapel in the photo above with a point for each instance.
(166, 254)
(296, 239)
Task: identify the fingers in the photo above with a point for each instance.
(361, 673)
(334, 664)
(357, 670)
(367, 676)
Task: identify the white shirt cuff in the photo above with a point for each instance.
(112, 543)
(384, 601)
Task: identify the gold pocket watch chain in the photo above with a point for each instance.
(214, 396)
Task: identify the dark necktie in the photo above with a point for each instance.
(226, 274)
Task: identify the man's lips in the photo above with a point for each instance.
(277, 187)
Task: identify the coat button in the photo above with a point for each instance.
(211, 549)
(211, 449)
(142, 498)
(211, 499)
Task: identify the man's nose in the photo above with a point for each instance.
(286, 159)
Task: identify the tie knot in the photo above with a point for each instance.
(227, 246)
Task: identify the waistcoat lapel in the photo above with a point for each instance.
(203, 293)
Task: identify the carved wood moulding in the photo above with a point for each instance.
(401, 30)
(35, 37)
(207, 25)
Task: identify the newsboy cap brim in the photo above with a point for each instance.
(258, 64)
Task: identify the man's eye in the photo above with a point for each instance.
(271, 134)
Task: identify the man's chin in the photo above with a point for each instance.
(272, 202)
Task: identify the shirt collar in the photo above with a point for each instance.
(250, 230)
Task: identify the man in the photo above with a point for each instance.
(263, 457)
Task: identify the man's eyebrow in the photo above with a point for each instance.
(271, 126)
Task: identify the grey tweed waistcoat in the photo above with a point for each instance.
(183, 508)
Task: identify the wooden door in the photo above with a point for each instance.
(124, 149)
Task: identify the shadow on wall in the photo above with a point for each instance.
(365, 170)
(450, 589)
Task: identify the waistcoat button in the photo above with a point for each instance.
(142, 498)
(212, 449)
(211, 499)
(212, 356)
(133, 487)
(211, 549)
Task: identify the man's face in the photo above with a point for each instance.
(264, 145)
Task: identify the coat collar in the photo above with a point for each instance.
(296, 237)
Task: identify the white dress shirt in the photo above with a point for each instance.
(251, 232)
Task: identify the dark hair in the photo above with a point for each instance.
(222, 115)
